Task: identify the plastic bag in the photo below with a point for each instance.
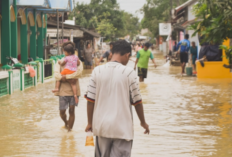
(89, 139)
(31, 71)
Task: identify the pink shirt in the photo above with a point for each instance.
(71, 62)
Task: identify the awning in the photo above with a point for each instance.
(54, 41)
(67, 33)
(184, 5)
(178, 27)
(188, 23)
(92, 33)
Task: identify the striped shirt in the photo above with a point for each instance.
(113, 88)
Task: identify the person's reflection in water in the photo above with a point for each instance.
(68, 146)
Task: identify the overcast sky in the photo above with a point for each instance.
(130, 6)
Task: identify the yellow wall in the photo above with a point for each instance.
(214, 69)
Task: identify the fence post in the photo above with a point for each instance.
(22, 79)
(35, 78)
(10, 82)
(42, 68)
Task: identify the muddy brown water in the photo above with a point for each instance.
(188, 117)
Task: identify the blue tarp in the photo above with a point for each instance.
(49, 6)
(59, 4)
(33, 3)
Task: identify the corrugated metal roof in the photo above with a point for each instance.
(95, 34)
(75, 27)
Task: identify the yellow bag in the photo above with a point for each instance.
(89, 139)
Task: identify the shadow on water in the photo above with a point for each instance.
(188, 117)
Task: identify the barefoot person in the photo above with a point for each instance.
(143, 56)
(184, 49)
(110, 118)
(88, 55)
(70, 62)
(194, 52)
(66, 94)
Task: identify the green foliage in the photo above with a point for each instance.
(228, 52)
(215, 20)
(157, 11)
(106, 17)
(104, 27)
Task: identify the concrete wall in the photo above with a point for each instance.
(191, 16)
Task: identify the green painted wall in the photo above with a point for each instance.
(40, 45)
(6, 31)
(45, 30)
(33, 49)
(24, 46)
(14, 33)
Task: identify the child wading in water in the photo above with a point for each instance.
(71, 62)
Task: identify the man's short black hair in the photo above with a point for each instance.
(121, 47)
(147, 45)
(186, 36)
(69, 47)
(112, 43)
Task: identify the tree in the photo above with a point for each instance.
(106, 17)
(157, 11)
(215, 23)
(104, 27)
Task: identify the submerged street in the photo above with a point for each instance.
(188, 117)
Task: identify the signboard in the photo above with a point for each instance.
(165, 29)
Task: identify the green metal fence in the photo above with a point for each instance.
(48, 68)
(3, 86)
(38, 71)
(28, 81)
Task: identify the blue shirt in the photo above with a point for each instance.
(184, 46)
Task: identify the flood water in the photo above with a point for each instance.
(187, 117)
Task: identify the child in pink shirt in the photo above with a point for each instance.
(71, 62)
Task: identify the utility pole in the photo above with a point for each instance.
(171, 6)
(57, 14)
(74, 8)
(62, 29)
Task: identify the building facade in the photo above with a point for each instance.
(23, 29)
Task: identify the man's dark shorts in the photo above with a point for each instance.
(87, 63)
(184, 57)
(142, 72)
(66, 101)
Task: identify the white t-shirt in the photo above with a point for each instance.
(114, 89)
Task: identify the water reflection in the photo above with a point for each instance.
(188, 118)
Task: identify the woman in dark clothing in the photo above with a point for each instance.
(194, 52)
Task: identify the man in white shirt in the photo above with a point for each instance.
(112, 90)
